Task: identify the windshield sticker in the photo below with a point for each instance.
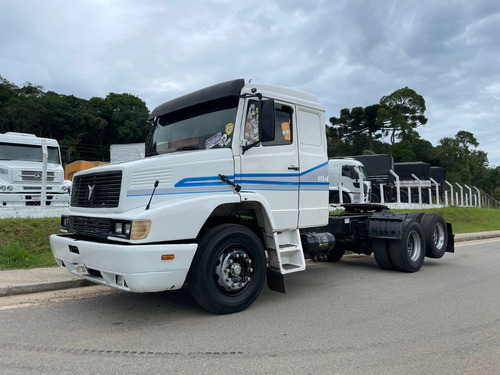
(214, 140)
(285, 128)
(252, 124)
(229, 128)
(225, 141)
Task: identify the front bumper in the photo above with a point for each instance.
(33, 199)
(132, 268)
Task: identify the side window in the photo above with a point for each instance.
(283, 132)
(348, 171)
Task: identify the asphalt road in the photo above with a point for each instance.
(344, 318)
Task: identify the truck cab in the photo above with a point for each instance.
(348, 180)
(21, 171)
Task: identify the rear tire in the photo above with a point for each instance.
(436, 235)
(408, 253)
(228, 270)
(335, 255)
(381, 253)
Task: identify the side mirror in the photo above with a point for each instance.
(266, 120)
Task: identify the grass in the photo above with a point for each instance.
(24, 243)
(468, 219)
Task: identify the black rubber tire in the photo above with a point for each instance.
(335, 255)
(436, 235)
(374, 198)
(381, 253)
(346, 198)
(408, 253)
(333, 197)
(216, 250)
(404, 196)
(417, 216)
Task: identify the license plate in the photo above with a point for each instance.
(36, 197)
(81, 269)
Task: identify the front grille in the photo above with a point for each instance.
(36, 176)
(89, 226)
(98, 190)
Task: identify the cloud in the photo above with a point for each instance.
(347, 53)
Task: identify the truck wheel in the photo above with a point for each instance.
(374, 198)
(404, 196)
(335, 255)
(334, 197)
(346, 198)
(436, 235)
(417, 216)
(381, 253)
(228, 270)
(408, 253)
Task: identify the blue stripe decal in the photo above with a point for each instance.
(249, 181)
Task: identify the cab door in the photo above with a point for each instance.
(271, 169)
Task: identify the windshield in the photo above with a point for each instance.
(201, 127)
(13, 151)
(363, 170)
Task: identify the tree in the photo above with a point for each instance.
(358, 127)
(401, 113)
(461, 162)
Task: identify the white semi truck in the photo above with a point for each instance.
(22, 172)
(348, 180)
(233, 188)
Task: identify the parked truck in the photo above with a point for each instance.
(385, 175)
(22, 171)
(233, 189)
(348, 176)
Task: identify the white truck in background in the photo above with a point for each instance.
(22, 172)
(348, 175)
(233, 187)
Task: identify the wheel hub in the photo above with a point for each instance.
(234, 270)
(414, 246)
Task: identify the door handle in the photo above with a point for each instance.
(293, 168)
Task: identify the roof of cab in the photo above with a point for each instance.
(26, 139)
(235, 88)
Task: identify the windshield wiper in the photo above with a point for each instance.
(188, 148)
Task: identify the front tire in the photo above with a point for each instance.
(228, 270)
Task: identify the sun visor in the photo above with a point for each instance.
(221, 90)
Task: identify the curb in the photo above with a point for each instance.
(43, 287)
(476, 237)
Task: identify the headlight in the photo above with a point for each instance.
(140, 229)
(3, 188)
(130, 229)
(64, 223)
(10, 188)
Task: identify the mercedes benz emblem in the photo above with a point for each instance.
(38, 175)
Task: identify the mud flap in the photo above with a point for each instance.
(275, 280)
(451, 239)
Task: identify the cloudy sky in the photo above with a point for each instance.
(346, 52)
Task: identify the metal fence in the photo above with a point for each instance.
(430, 194)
